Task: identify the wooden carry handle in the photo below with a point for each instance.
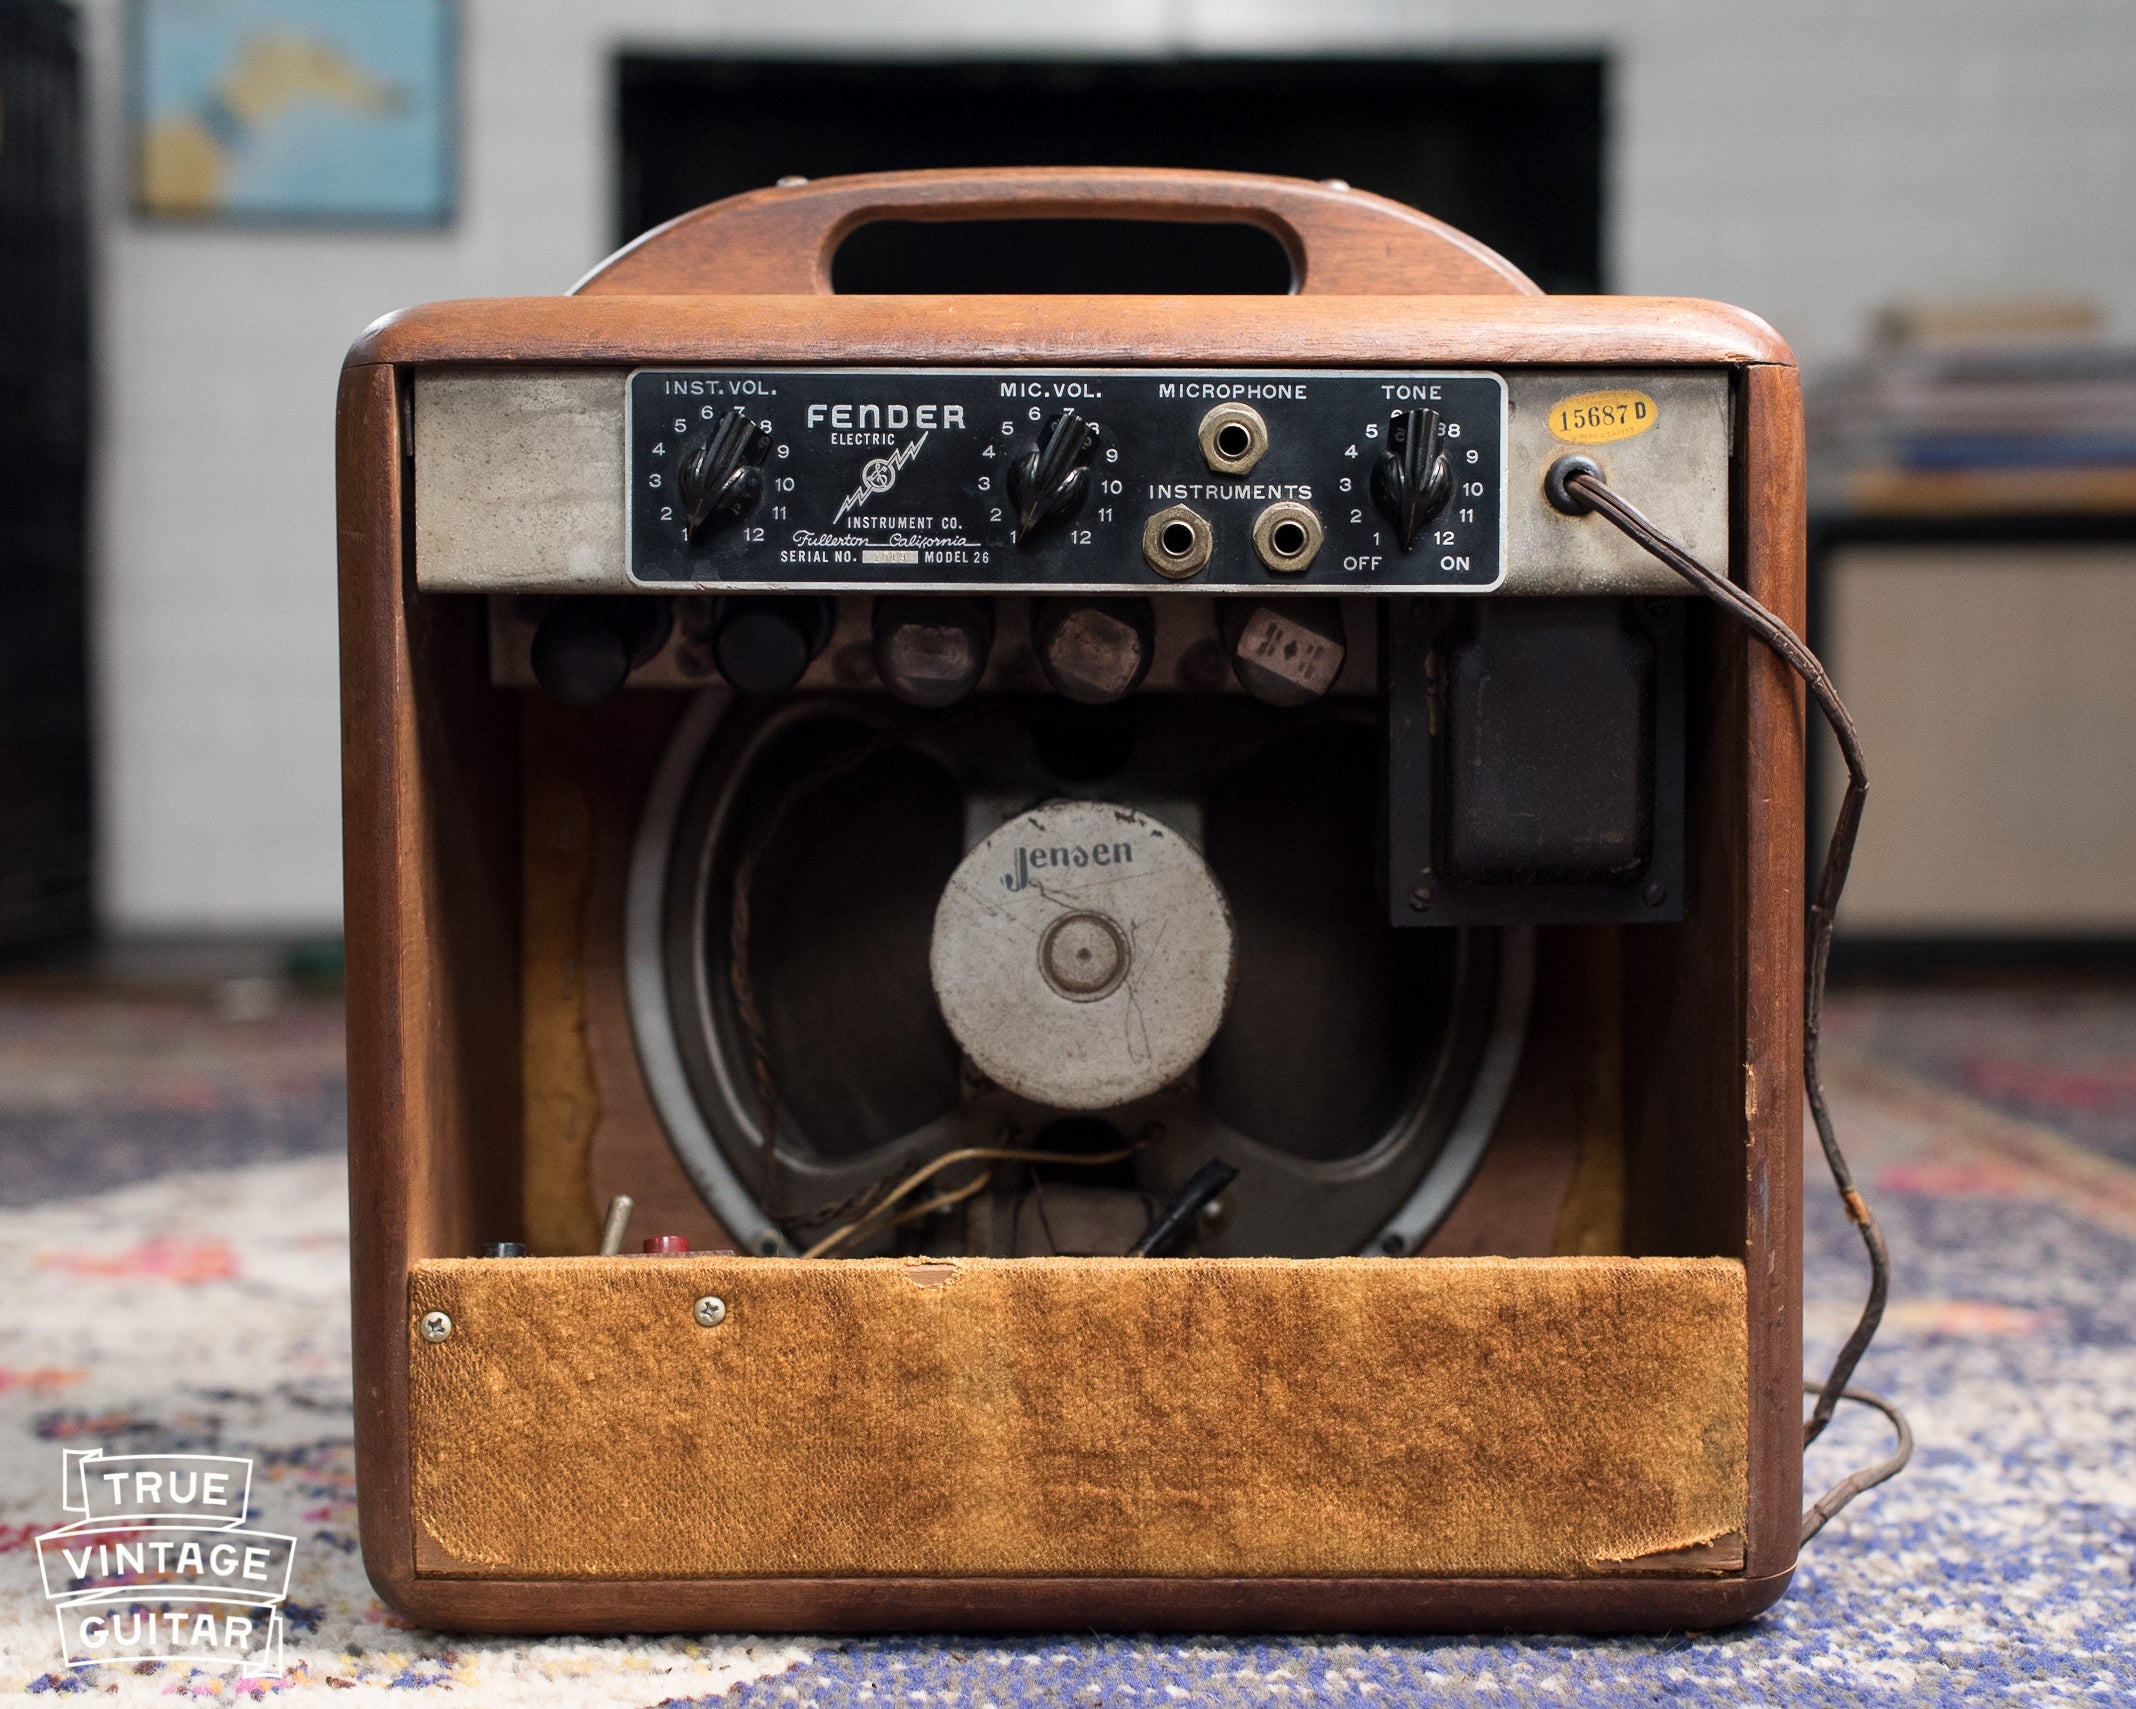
(779, 242)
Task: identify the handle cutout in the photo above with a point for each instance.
(1057, 257)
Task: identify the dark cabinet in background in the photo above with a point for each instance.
(1510, 150)
(45, 797)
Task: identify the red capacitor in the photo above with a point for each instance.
(668, 1245)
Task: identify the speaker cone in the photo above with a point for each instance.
(783, 897)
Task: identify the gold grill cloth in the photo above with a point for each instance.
(1075, 1416)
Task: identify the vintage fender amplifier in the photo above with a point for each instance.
(1071, 961)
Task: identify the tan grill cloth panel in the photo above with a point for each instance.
(1075, 1416)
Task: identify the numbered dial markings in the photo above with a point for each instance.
(1033, 480)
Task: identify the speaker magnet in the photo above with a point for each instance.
(1083, 955)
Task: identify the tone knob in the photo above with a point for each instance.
(722, 479)
(1414, 477)
(1054, 479)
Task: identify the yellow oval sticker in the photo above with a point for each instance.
(1595, 418)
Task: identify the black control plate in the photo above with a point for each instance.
(882, 478)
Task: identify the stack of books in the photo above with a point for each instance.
(2003, 410)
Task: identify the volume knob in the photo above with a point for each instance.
(1413, 478)
(1054, 479)
(722, 480)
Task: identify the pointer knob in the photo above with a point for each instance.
(1413, 478)
(1054, 479)
(722, 479)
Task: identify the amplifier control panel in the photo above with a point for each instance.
(1064, 480)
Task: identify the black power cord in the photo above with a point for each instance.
(1574, 485)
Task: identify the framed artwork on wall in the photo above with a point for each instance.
(294, 112)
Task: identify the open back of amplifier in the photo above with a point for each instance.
(1195, 991)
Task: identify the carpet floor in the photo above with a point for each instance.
(173, 1254)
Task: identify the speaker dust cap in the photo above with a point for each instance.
(1083, 955)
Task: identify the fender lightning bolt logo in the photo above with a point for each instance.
(878, 475)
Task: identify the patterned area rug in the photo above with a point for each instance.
(203, 1307)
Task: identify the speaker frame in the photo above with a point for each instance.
(655, 1022)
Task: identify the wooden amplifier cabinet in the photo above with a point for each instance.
(1577, 1409)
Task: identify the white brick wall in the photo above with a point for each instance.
(1808, 160)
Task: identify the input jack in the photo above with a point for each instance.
(1287, 536)
(1176, 542)
(1233, 438)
